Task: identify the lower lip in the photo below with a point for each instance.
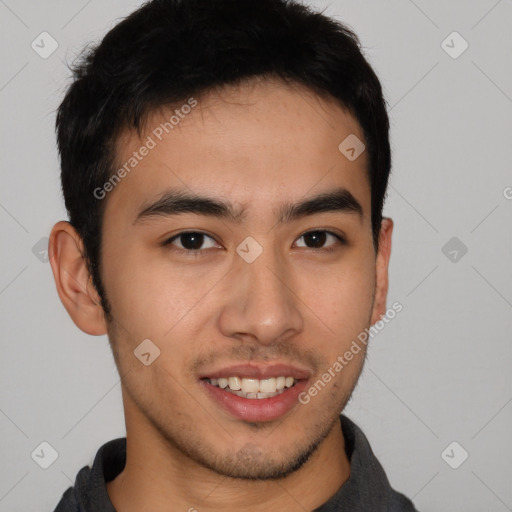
(257, 409)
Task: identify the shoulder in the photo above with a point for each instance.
(89, 492)
(368, 488)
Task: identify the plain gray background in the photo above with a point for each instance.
(439, 372)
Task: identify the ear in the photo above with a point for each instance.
(382, 263)
(73, 281)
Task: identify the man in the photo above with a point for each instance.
(224, 167)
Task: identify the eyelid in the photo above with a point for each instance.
(169, 240)
(330, 231)
(197, 252)
(340, 237)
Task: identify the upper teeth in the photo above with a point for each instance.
(254, 385)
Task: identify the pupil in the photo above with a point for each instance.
(317, 237)
(195, 240)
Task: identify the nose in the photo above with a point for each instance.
(260, 300)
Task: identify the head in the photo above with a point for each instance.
(240, 106)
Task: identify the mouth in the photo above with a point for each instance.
(254, 389)
(256, 393)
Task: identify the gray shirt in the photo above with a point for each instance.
(366, 490)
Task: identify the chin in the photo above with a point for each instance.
(258, 461)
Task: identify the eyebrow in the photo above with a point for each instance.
(175, 202)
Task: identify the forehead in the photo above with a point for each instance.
(254, 144)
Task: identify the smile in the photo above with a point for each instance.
(254, 388)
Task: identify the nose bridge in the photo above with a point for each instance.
(261, 302)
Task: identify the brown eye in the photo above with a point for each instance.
(318, 238)
(192, 241)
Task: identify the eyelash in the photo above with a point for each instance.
(200, 252)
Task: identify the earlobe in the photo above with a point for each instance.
(382, 265)
(73, 281)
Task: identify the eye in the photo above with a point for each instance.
(316, 239)
(191, 241)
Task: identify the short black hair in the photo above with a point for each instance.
(170, 50)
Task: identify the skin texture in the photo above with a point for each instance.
(258, 146)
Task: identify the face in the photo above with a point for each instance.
(208, 254)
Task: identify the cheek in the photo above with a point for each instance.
(341, 297)
(150, 295)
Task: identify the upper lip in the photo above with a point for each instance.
(258, 371)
